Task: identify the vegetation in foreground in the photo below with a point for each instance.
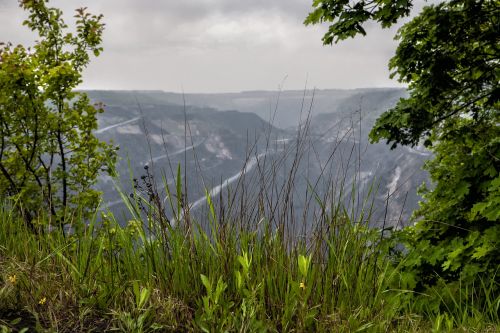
(448, 56)
(235, 277)
(248, 270)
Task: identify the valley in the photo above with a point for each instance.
(252, 141)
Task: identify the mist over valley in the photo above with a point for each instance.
(238, 144)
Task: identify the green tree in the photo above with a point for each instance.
(449, 57)
(49, 156)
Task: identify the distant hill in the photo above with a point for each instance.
(260, 128)
(282, 108)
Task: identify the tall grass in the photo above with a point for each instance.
(247, 264)
(113, 277)
(230, 280)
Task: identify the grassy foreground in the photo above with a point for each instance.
(144, 278)
(232, 269)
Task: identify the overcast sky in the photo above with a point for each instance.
(218, 46)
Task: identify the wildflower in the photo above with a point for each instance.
(302, 285)
(12, 279)
(42, 301)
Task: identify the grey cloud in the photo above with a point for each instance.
(196, 9)
(218, 45)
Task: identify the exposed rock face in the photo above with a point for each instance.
(259, 139)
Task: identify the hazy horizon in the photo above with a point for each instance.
(308, 89)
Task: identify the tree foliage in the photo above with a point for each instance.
(346, 18)
(449, 57)
(49, 157)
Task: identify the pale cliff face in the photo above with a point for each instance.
(149, 128)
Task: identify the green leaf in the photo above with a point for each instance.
(482, 251)
(206, 283)
(303, 263)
